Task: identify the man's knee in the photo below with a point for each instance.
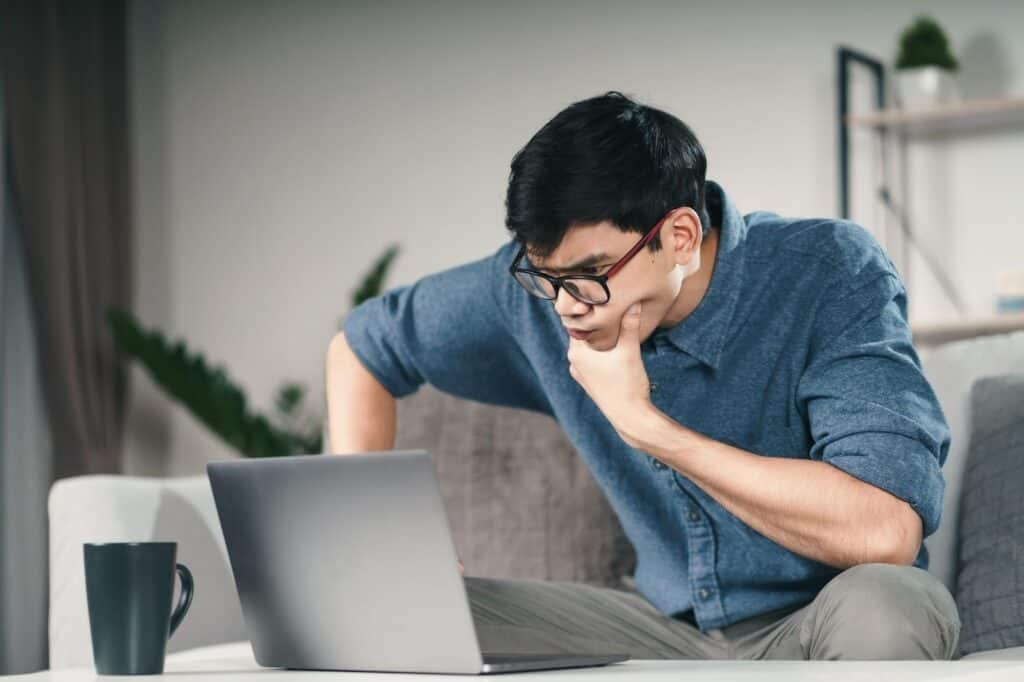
(882, 611)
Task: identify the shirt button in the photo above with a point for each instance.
(705, 593)
(654, 387)
(694, 516)
(658, 464)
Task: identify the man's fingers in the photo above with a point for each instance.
(574, 373)
(631, 323)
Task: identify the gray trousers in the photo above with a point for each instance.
(868, 612)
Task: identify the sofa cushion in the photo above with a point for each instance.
(990, 585)
(521, 502)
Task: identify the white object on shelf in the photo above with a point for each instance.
(925, 87)
(1010, 292)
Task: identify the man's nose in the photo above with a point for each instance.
(567, 306)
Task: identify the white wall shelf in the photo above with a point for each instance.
(961, 116)
(931, 332)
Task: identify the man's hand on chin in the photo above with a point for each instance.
(615, 379)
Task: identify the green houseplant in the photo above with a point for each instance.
(924, 43)
(215, 399)
(924, 65)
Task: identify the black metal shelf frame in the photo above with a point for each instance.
(845, 58)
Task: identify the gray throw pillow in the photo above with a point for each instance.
(990, 582)
(521, 502)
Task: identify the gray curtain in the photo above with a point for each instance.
(64, 78)
(25, 457)
(66, 258)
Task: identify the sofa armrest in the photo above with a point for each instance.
(105, 508)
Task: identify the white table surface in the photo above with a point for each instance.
(235, 662)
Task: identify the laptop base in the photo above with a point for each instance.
(508, 663)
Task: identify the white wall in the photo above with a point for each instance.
(281, 146)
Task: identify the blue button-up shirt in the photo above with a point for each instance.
(800, 348)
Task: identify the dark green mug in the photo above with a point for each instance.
(130, 586)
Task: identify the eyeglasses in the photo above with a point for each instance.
(589, 289)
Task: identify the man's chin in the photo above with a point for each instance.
(599, 342)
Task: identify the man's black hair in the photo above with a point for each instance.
(604, 158)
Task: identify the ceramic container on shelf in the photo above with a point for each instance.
(925, 87)
(1010, 292)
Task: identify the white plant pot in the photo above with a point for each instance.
(924, 87)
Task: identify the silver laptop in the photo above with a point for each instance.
(346, 562)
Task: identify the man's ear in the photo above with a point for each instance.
(684, 237)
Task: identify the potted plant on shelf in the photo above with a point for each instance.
(925, 66)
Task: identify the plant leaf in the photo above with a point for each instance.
(289, 398)
(207, 392)
(373, 281)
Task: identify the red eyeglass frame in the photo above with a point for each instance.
(556, 282)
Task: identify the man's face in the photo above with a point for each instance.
(650, 278)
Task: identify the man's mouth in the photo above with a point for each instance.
(580, 334)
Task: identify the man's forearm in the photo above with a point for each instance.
(360, 412)
(810, 507)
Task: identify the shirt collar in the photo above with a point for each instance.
(702, 334)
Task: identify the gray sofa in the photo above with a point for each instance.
(521, 504)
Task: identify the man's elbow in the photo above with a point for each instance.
(899, 536)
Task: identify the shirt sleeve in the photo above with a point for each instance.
(870, 410)
(450, 330)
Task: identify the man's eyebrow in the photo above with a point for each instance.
(579, 265)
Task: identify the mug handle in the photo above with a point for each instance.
(184, 600)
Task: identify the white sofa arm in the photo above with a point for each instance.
(105, 508)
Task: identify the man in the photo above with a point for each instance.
(743, 388)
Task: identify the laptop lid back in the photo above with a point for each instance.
(346, 562)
